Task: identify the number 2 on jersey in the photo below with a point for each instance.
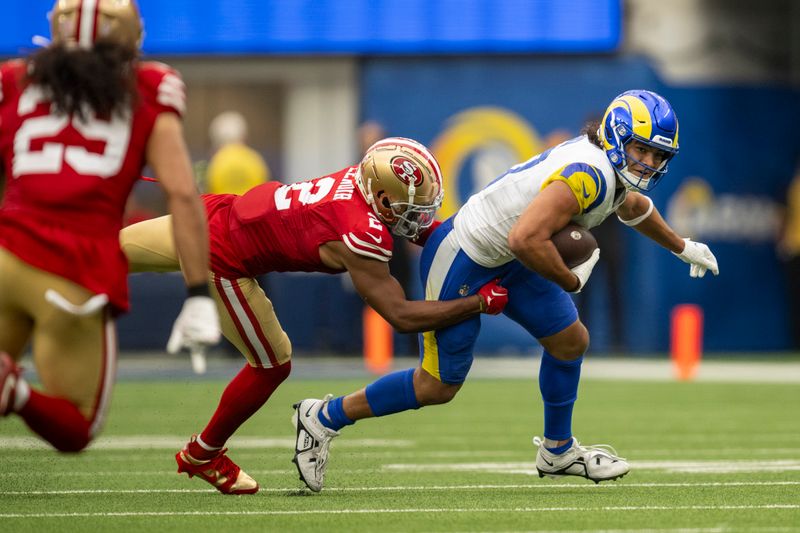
(310, 192)
(115, 133)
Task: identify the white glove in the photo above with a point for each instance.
(699, 256)
(584, 270)
(196, 328)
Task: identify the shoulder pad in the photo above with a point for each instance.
(586, 181)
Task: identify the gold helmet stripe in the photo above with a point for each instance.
(415, 147)
(640, 116)
(88, 12)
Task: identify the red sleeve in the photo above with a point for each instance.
(162, 88)
(423, 237)
(10, 73)
(369, 237)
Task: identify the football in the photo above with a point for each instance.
(574, 243)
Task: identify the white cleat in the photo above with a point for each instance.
(598, 463)
(313, 442)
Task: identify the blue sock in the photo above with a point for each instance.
(558, 383)
(335, 419)
(392, 393)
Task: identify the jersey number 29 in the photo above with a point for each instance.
(115, 133)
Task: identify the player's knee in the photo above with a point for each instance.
(571, 344)
(282, 371)
(72, 442)
(283, 350)
(435, 392)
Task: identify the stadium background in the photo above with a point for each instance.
(488, 83)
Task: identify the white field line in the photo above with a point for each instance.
(516, 468)
(686, 467)
(244, 453)
(645, 369)
(719, 529)
(435, 510)
(168, 442)
(363, 446)
(538, 486)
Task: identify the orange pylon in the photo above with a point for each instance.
(378, 342)
(687, 340)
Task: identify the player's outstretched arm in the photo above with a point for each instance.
(169, 158)
(382, 292)
(639, 212)
(197, 325)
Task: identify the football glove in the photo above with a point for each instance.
(493, 298)
(584, 270)
(699, 256)
(196, 328)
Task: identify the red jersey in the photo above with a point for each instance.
(68, 179)
(276, 227)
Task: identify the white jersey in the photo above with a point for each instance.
(482, 225)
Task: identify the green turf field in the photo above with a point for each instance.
(705, 457)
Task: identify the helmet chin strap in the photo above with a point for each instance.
(366, 191)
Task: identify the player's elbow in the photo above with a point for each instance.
(401, 320)
(181, 192)
(516, 241)
(520, 240)
(404, 325)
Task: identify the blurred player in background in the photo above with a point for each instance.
(341, 222)
(79, 120)
(788, 248)
(504, 231)
(234, 168)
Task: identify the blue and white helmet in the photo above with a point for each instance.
(646, 117)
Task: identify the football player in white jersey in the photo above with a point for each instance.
(504, 231)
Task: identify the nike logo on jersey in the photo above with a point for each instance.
(377, 239)
(585, 194)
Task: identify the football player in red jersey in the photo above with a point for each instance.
(341, 222)
(80, 119)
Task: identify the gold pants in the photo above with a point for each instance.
(75, 355)
(247, 317)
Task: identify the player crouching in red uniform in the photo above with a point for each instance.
(341, 222)
(80, 118)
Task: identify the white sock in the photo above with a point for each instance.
(550, 444)
(22, 394)
(206, 447)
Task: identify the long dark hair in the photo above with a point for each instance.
(590, 130)
(102, 78)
